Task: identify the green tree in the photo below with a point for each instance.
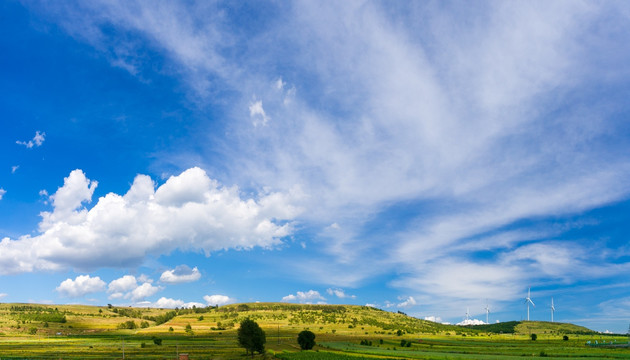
(251, 337)
(534, 337)
(306, 339)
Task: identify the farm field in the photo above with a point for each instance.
(29, 331)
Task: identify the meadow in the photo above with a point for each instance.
(29, 331)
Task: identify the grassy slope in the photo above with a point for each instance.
(529, 327)
(339, 328)
(340, 320)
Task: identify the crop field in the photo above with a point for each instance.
(30, 331)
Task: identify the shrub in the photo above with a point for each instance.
(157, 341)
(565, 338)
(534, 337)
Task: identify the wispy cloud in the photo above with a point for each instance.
(37, 141)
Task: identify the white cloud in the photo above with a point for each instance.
(471, 322)
(339, 293)
(127, 287)
(181, 274)
(432, 318)
(3, 295)
(119, 287)
(189, 212)
(37, 140)
(168, 303)
(2, 192)
(304, 297)
(14, 168)
(81, 285)
(213, 300)
(279, 84)
(408, 302)
(257, 113)
(143, 291)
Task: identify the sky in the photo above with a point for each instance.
(434, 158)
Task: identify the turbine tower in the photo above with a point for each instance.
(528, 300)
(487, 312)
(553, 309)
(467, 314)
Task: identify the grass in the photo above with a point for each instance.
(91, 332)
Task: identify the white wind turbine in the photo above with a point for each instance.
(487, 312)
(528, 300)
(553, 309)
(467, 314)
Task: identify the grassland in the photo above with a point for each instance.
(30, 331)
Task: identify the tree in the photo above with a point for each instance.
(306, 339)
(534, 337)
(251, 337)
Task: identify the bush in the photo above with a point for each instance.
(157, 341)
(306, 339)
(534, 337)
(565, 338)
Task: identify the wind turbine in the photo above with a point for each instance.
(487, 312)
(528, 300)
(467, 314)
(553, 309)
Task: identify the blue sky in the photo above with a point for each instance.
(426, 157)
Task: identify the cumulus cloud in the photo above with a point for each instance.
(188, 212)
(408, 302)
(36, 141)
(119, 287)
(304, 297)
(181, 274)
(169, 303)
(339, 293)
(471, 322)
(2, 192)
(3, 295)
(432, 318)
(81, 285)
(144, 291)
(127, 287)
(213, 300)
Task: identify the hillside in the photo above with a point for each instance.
(528, 327)
(342, 320)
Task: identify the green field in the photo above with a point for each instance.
(29, 331)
